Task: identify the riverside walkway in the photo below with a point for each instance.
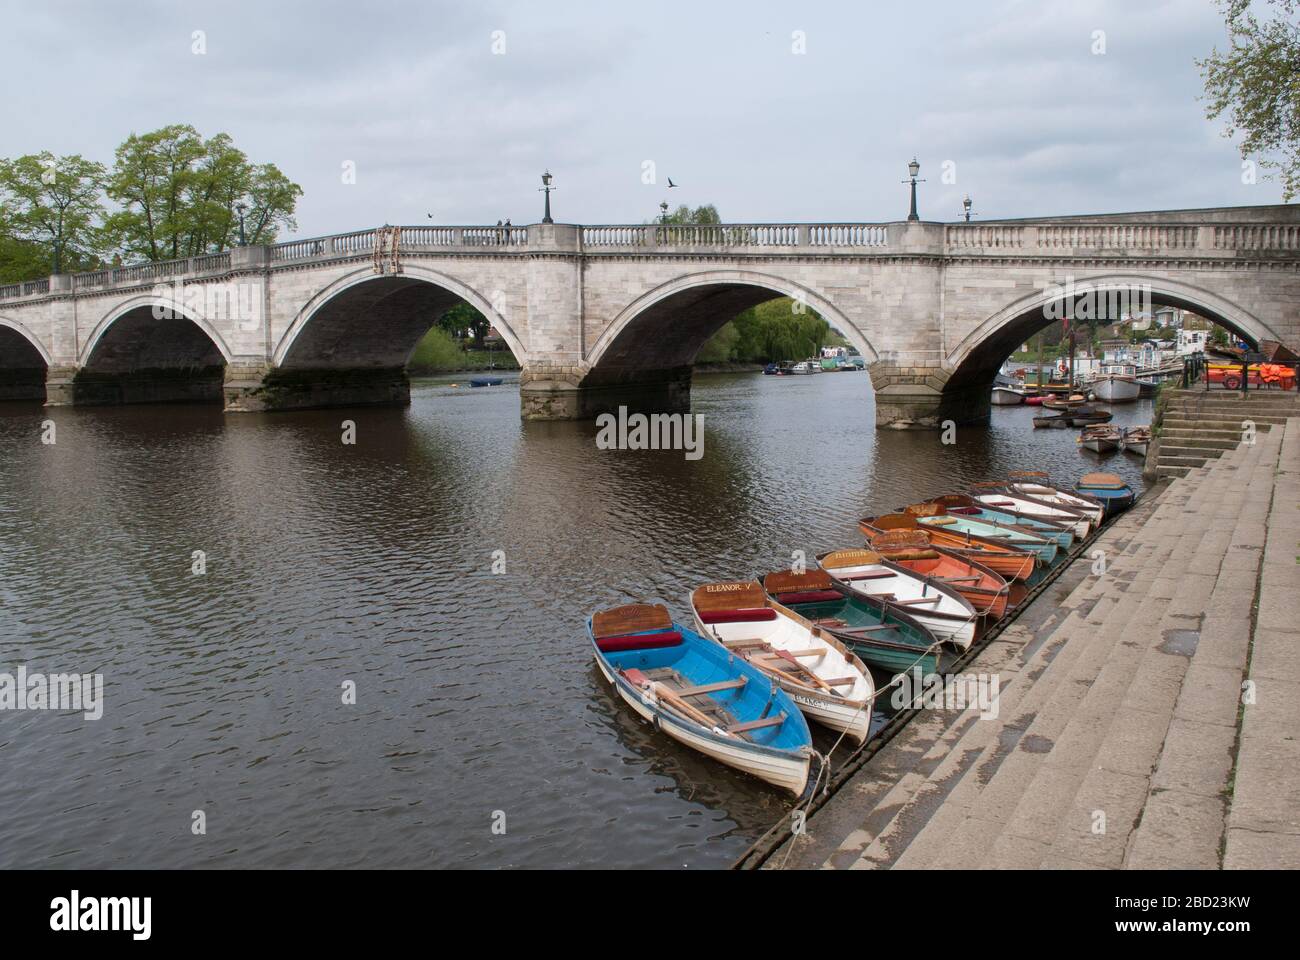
(1149, 716)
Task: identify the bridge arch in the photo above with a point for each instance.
(975, 360)
(24, 362)
(678, 317)
(151, 349)
(328, 329)
(142, 312)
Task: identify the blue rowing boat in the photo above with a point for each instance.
(486, 381)
(1108, 488)
(963, 505)
(702, 695)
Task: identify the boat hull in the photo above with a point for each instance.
(1006, 397)
(1113, 389)
(774, 767)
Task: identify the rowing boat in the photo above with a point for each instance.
(1035, 501)
(981, 587)
(1036, 484)
(961, 504)
(1065, 403)
(1108, 488)
(1046, 549)
(1135, 440)
(1011, 563)
(882, 636)
(702, 696)
(1100, 437)
(822, 676)
(935, 605)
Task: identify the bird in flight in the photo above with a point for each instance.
(670, 183)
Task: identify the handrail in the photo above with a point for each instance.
(1042, 238)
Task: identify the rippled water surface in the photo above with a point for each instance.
(373, 563)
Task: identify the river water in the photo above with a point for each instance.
(477, 704)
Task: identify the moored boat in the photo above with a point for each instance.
(1004, 496)
(983, 589)
(1135, 440)
(1072, 402)
(700, 695)
(1086, 416)
(883, 637)
(824, 678)
(1006, 397)
(1045, 548)
(486, 381)
(1011, 563)
(1117, 384)
(961, 504)
(1036, 484)
(1110, 489)
(937, 606)
(1100, 438)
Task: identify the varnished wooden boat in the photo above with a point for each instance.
(1011, 563)
(702, 696)
(823, 676)
(884, 637)
(1065, 403)
(937, 517)
(941, 609)
(985, 590)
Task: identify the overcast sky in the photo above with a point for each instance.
(1010, 94)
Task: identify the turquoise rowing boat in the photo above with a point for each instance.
(886, 639)
(962, 505)
(1045, 549)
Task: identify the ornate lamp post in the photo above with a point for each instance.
(241, 208)
(547, 188)
(966, 205)
(913, 169)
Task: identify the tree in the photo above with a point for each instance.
(705, 214)
(180, 195)
(51, 206)
(1256, 85)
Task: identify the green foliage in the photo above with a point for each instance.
(462, 320)
(780, 329)
(49, 208)
(177, 196)
(180, 195)
(440, 351)
(705, 214)
(1256, 86)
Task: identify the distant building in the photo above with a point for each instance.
(1191, 341)
(1115, 350)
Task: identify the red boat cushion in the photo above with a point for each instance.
(810, 596)
(738, 616)
(638, 641)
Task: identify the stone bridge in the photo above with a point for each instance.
(600, 316)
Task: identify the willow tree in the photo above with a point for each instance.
(1255, 85)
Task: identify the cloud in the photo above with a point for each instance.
(1012, 94)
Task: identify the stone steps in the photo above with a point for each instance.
(982, 741)
(1113, 742)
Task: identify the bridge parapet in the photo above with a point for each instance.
(1208, 240)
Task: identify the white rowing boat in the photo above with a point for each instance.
(937, 606)
(823, 677)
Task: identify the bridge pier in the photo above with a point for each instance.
(569, 392)
(255, 388)
(920, 398)
(67, 386)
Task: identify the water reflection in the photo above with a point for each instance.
(372, 563)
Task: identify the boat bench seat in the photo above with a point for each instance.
(809, 596)
(713, 687)
(638, 641)
(743, 615)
